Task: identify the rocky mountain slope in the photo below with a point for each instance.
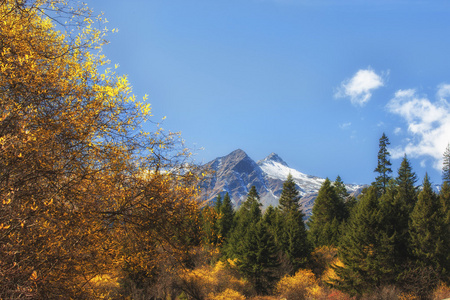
(236, 173)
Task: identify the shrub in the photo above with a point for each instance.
(213, 281)
(228, 294)
(386, 293)
(441, 292)
(303, 285)
(322, 258)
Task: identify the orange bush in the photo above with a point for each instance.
(441, 292)
(302, 285)
(228, 294)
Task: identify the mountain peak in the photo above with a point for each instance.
(273, 157)
(238, 153)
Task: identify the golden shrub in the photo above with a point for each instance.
(441, 292)
(228, 294)
(302, 285)
(329, 274)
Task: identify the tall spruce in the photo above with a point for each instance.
(258, 260)
(226, 217)
(211, 234)
(406, 184)
(218, 203)
(291, 236)
(446, 165)
(252, 198)
(428, 242)
(346, 201)
(444, 197)
(326, 217)
(248, 214)
(365, 249)
(384, 165)
(290, 197)
(396, 205)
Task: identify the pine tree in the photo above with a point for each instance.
(365, 249)
(340, 189)
(258, 260)
(346, 202)
(252, 198)
(397, 204)
(384, 165)
(227, 216)
(211, 233)
(218, 203)
(446, 165)
(393, 216)
(326, 217)
(248, 214)
(293, 239)
(290, 197)
(444, 197)
(406, 184)
(291, 234)
(427, 235)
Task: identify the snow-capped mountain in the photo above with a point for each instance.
(236, 173)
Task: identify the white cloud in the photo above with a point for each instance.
(345, 125)
(359, 88)
(428, 123)
(443, 92)
(397, 130)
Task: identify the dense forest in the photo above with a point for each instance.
(94, 207)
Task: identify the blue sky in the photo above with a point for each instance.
(317, 82)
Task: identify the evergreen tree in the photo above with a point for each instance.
(384, 165)
(346, 202)
(227, 216)
(393, 217)
(340, 189)
(291, 235)
(406, 184)
(218, 203)
(428, 242)
(211, 234)
(293, 239)
(365, 249)
(397, 204)
(446, 165)
(252, 198)
(248, 214)
(290, 197)
(258, 260)
(326, 217)
(271, 218)
(444, 197)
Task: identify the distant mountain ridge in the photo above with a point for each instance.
(236, 173)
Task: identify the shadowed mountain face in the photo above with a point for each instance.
(236, 173)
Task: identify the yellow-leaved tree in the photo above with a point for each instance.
(84, 192)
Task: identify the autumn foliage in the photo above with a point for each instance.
(80, 181)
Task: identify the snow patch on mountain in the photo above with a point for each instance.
(236, 173)
(278, 169)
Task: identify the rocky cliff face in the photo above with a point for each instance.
(236, 173)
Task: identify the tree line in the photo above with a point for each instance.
(395, 233)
